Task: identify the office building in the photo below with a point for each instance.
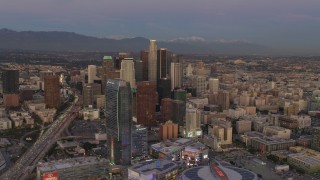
(90, 93)
(213, 85)
(164, 88)
(176, 75)
(92, 73)
(118, 59)
(107, 69)
(74, 168)
(199, 83)
(101, 101)
(119, 121)
(192, 125)
(162, 64)
(146, 103)
(179, 111)
(223, 100)
(152, 61)
(166, 109)
(127, 72)
(139, 141)
(138, 66)
(169, 131)
(52, 91)
(144, 58)
(10, 81)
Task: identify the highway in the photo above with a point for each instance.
(26, 164)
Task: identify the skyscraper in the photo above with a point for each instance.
(144, 58)
(152, 61)
(138, 66)
(127, 71)
(162, 64)
(90, 93)
(107, 69)
(119, 121)
(10, 80)
(223, 100)
(164, 88)
(92, 73)
(52, 91)
(176, 75)
(146, 103)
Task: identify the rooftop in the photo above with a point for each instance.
(67, 163)
(107, 58)
(154, 167)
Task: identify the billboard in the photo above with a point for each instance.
(50, 176)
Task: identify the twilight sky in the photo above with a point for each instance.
(293, 24)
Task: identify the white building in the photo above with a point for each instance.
(127, 71)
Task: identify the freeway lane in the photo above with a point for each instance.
(25, 165)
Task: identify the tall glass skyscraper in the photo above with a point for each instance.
(119, 121)
(152, 61)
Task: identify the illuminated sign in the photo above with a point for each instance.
(218, 171)
(50, 176)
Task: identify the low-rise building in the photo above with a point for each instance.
(304, 162)
(170, 149)
(154, 169)
(5, 123)
(276, 131)
(90, 114)
(195, 153)
(74, 168)
(243, 126)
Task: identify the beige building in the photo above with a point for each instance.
(213, 85)
(127, 71)
(92, 73)
(168, 130)
(101, 101)
(223, 132)
(176, 75)
(243, 126)
(251, 110)
(276, 131)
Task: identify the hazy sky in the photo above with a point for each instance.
(283, 23)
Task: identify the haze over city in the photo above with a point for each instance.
(291, 26)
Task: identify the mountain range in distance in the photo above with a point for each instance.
(70, 41)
